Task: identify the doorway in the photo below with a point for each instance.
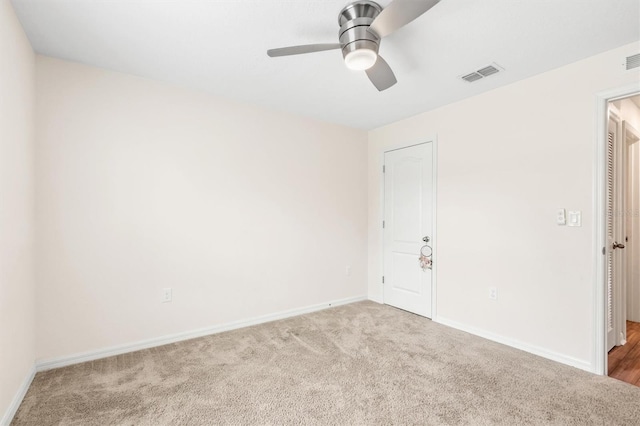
(622, 248)
(408, 238)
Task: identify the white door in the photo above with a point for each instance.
(616, 271)
(408, 218)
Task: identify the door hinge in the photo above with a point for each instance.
(383, 279)
(383, 169)
(383, 224)
(604, 250)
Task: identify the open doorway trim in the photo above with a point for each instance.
(599, 358)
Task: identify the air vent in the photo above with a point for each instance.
(487, 71)
(633, 61)
(482, 73)
(472, 77)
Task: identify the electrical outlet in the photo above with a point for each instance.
(347, 270)
(166, 295)
(493, 293)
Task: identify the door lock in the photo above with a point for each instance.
(426, 239)
(618, 245)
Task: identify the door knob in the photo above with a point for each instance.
(618, 245)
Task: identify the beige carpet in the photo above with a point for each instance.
(361, 364)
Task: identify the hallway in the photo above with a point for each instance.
(624, 361)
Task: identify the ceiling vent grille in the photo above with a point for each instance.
(487, 71)
(633, 61)
(482, 73)
(474, 76)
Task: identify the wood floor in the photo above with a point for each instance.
(624, 361)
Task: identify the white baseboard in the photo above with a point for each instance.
(17, 399)
(536, 350)
(43, 365)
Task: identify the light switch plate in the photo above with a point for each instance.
(575, 218)
(561, 218)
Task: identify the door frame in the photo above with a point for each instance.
(434, 172)
(599, 360)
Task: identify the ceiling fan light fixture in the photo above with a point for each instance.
(363, 23)
(360, 59)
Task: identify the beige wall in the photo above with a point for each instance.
(142, 185)
(17, 299)
(507, 160)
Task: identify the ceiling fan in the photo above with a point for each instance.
(363, 24)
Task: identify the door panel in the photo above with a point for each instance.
(616, 234)
(407, 276)
(406, 179)
(408, 198)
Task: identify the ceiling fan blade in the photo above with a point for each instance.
(381, 75)
(398, 14)
(298, 50)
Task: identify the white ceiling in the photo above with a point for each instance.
(220, 46)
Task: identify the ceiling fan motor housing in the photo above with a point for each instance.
(354, 21)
